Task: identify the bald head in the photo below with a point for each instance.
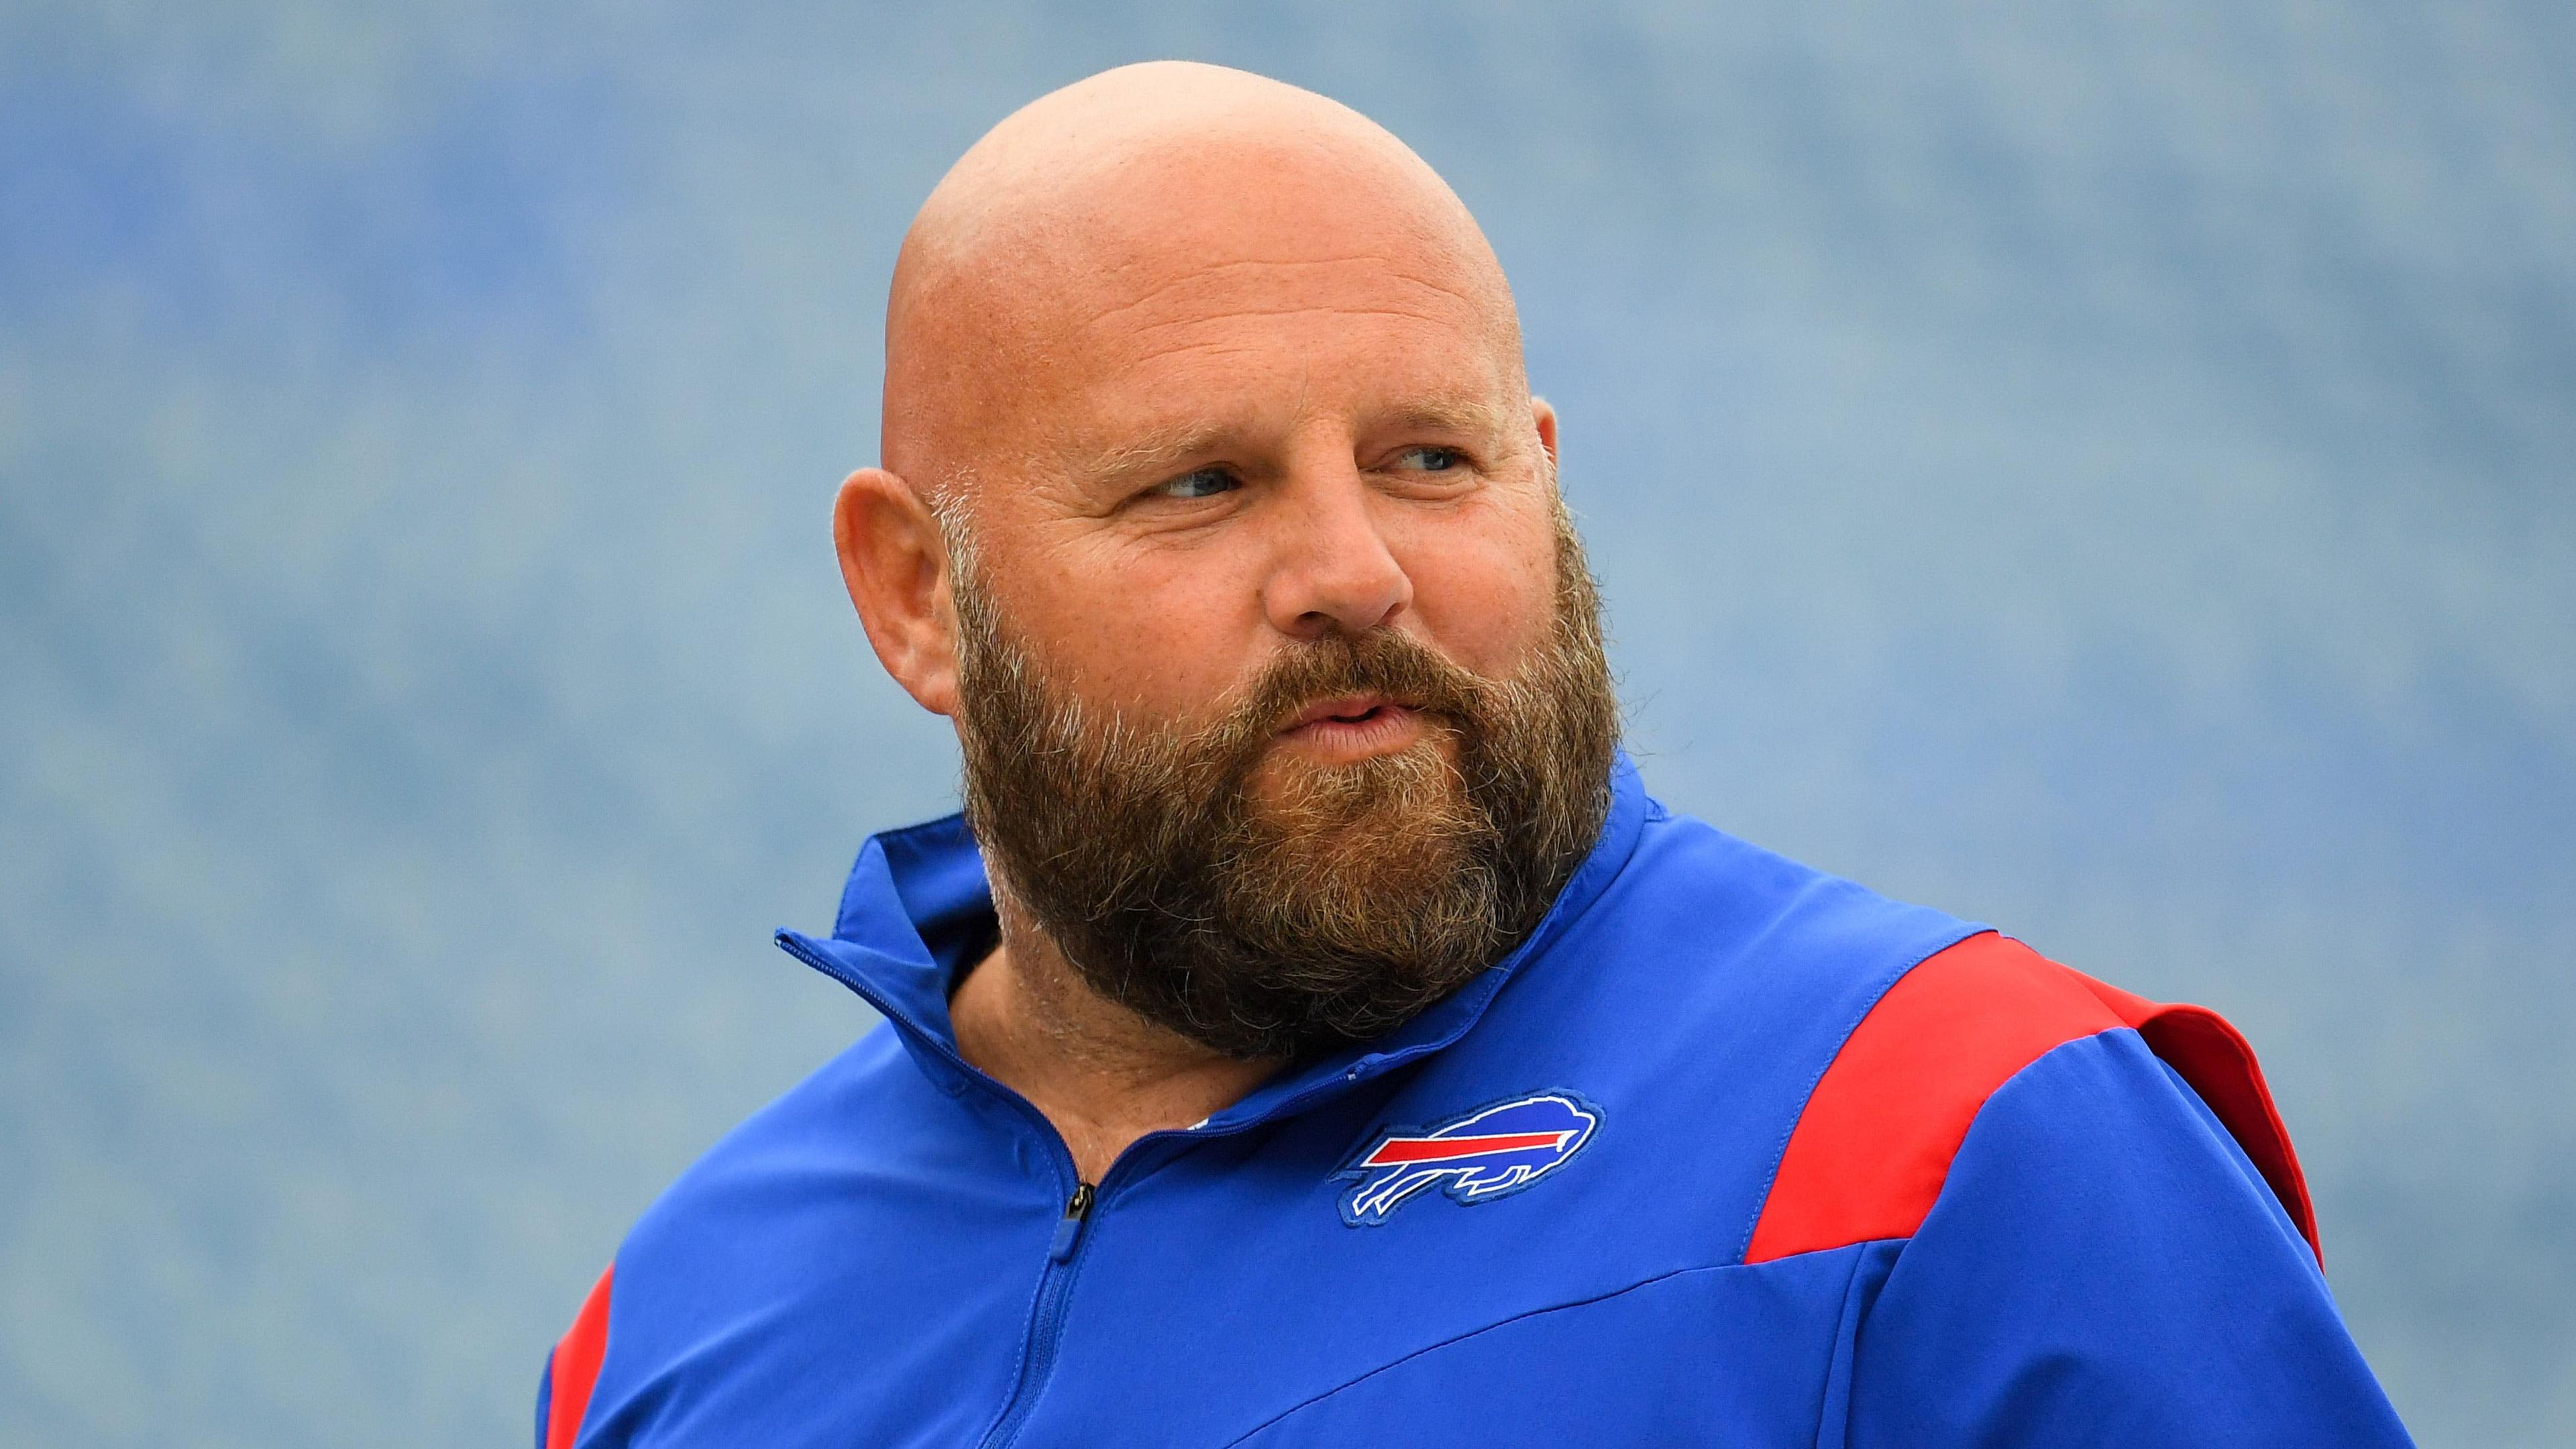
(1202, 365)
(1138, 212)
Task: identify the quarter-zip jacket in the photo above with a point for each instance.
(1728, 1152)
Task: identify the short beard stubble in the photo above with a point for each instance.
(1341, 907)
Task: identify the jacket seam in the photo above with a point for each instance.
(1477, 1332)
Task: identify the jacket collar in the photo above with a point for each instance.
(917, 914)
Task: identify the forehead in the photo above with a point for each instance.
(1251, 297)
(1259, 345)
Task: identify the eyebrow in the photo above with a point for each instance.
(1459, 415)
(1153, 453)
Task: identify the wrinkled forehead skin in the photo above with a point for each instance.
(1162, 235)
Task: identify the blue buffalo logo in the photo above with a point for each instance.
(1489, 1153)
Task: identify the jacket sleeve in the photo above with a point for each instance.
(2104, 1266)
(545, 1397)
(572, 1369)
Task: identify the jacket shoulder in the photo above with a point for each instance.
(1873, 1145)
(723, 1234)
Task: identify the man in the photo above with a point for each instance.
(1319, 1037)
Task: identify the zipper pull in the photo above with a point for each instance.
(1068, 1231)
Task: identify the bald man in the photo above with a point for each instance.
(1311, 1033)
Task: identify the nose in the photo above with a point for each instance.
(1333, 569)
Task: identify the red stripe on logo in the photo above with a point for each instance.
(1396, 1151)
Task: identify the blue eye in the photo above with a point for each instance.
(1433, 460)
(1205, 483)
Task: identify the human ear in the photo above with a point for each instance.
(1545, 418)
(896, 568)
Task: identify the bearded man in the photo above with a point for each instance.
(1311, 1032)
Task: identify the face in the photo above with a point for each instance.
(1250, 452)
(1271, 623)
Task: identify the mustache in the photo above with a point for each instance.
(1381, 662)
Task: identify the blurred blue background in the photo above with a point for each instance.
(2101, 469)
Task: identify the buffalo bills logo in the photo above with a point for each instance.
(1489, 1153)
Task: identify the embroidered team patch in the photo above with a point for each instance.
(1489, 1153)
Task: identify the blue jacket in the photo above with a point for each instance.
(1729, 1152)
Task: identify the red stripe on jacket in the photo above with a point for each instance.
(576, 1365)
(1873, 1146)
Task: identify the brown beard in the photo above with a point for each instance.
(1348, 901)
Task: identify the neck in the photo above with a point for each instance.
(1101, 1075)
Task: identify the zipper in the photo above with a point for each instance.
(1068, 1230)
(1046, 1319)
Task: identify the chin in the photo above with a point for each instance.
(1391, 818)
(1291, 779)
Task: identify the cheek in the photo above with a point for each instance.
(1162, 632)
(1484, 585)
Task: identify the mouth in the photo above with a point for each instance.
(1349, 709)
(1354, 726)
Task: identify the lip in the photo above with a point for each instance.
(1349, 710)
(1352, 727)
